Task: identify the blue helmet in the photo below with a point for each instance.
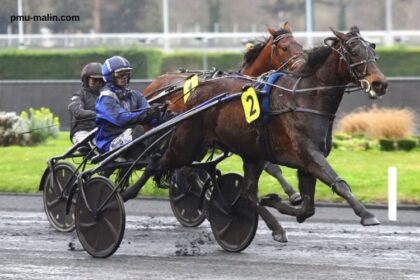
(113, 65)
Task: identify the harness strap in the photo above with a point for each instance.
(277, 53)
(303, 110)
(278, 38)
(338, 180)
(296, 85)
(364, 61)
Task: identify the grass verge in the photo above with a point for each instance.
(21, 169)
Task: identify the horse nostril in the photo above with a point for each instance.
(379, 86)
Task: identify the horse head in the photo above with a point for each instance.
(278, 52)
(286, 52)
(360, 59)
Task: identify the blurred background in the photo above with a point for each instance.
(40, 60)
(169, 23)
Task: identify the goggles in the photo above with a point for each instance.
(96, 79)
(121, 74)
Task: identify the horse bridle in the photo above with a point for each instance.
(345, 56)
(275, 50)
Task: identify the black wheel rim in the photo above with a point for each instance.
(100, 236)
(233, 218)
(56, 195)
(185, 195)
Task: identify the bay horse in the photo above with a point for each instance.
(302, 107)
(278, 52)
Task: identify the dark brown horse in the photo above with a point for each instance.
(278, 52)
(299, 128)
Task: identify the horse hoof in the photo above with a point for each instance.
(306, 210)
(270, 200)
(370, 221)
(280, 237)
(295, 199)
(300, 218)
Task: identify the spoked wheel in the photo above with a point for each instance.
(233, 218)
(100, 231)
(185, 195)
(56, 194)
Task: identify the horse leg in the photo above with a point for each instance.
(321, 169)
(273, 200)
(252, 172)
(328, 140)
(275, 171)
(178, 154)
(132, 191)
(307, 184)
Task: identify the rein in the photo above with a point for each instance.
(211, 79)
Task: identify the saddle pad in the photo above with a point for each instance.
(263, 86)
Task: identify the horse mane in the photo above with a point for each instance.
(315, 58)
(252, 54)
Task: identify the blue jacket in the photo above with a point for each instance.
(116, 110)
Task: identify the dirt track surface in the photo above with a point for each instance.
(155, 246)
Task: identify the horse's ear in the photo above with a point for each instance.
(271, 31)
(355, 30)
(339, 35)
(287, 27)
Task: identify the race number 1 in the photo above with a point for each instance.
(250, 104)
(189, 85)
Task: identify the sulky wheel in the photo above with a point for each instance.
(233, 218)
(56, 195)
(185, 195)
(100, 231)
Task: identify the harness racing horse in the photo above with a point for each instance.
(302, 110)
(279, 52)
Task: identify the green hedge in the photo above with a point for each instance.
(400, 61)
(387, 144)
(67, 64)
(149, 63)
(407, 144)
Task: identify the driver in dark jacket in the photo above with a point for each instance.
(82, 105)
(120, 111)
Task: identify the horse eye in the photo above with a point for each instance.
(284, 49)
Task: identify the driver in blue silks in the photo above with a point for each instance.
(120, 111)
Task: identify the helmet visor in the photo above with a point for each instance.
(121, 74)
(96, 76)
(95, 83)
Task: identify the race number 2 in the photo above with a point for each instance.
(251, 105)
(189, 85)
